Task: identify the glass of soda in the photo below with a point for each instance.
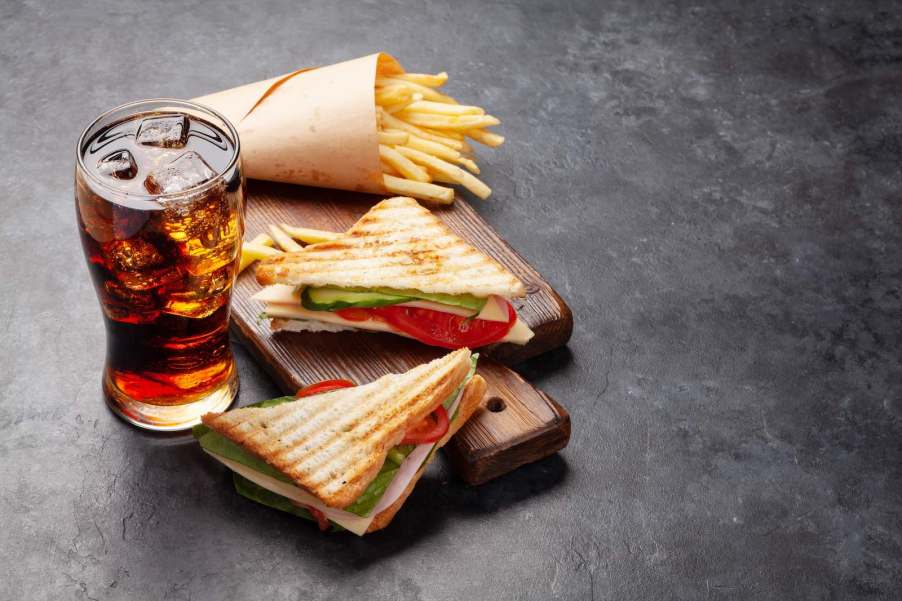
(159, 196)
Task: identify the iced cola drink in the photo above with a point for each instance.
(160, 206)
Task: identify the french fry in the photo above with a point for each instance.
(438, 177)
(406, 187)
(246, 259)
(446, 169)
(471, 165)
(262, 239)
(391, 122)
(448, 134)
(457, 138)
(404, 165)
(258, 251)
(424, 79)
(283, 240)
(441, 108)
(423, 137)
(393, 94)
(392, 109)
(427, 92)
(486, 137)
(449, 122)
(308, 235)
(393, 138)
(433, 148)
(388, 169)
(453, 139)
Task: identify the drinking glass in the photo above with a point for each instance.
(160, 196)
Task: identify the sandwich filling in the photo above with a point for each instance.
(261, 482)
(445, 320)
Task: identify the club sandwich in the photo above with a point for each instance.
(399, 269)
(347, 458)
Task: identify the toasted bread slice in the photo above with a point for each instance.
(396, 244)
(334, 444)
(469, 403)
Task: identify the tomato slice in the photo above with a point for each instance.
(446, 330)
(430, 429)
(324, 386)
(321, 520)
(353, 314)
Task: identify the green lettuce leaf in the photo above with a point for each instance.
(367, 501)
(258, 494)
(218, 444)
(215, 442)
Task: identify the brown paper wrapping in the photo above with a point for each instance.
(314, 126)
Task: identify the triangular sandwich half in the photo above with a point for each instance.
(398, 269)
(340, 453)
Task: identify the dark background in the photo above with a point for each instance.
(713, 187)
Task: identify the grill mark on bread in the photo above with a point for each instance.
(388, 430)
(333, 464)
(376, 424)
(396, 240)
(469, 404)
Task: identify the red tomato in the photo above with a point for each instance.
(321, 520)
(354, 314)
(438, 328)
(430, 429)
(324, 386)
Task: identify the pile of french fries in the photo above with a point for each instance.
(282, 238)
(423, 138)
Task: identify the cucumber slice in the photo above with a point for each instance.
(467, 301)
(328, 298)
(332, 298)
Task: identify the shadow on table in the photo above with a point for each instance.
(536, 369)
(441, 499)
(438, 501)
(435, 504)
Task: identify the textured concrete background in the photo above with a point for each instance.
(714, 189)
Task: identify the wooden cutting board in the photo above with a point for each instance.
(517, 424)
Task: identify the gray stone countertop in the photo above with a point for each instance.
(713, 187)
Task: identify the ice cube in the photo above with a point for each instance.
(138, 264)
(201, 296)
(123, 304)
(148, 279)
(212, 283)
(188, 170)
(195, 217)
(166, 131)
(212, 248)
(119, 165)
(206, 232)
(195, 308)
(129, 255)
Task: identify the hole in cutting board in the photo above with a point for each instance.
(495, 405)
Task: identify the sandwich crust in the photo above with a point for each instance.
(333, 444)
(397, 244)
(469, 403)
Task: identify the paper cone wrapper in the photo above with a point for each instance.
(314, 126)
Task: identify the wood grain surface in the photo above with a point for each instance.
(517, 424)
